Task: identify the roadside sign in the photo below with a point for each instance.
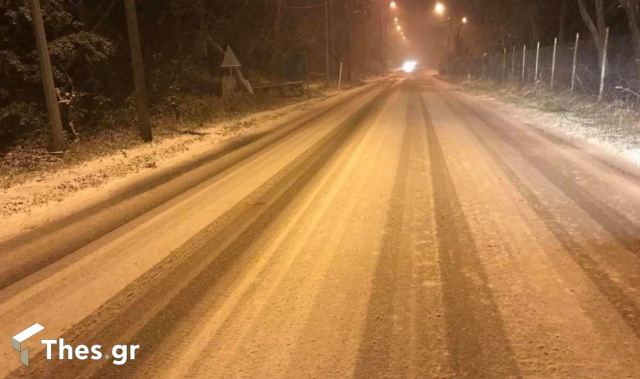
(230, 59)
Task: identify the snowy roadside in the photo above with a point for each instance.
(611, 126)
(22, 194)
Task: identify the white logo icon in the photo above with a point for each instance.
(24, 335)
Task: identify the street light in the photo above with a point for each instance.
(440, 9)
(398, 28)
(465, 20)
(393, 5)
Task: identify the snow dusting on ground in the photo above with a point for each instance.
(95, 164)
(612, 127)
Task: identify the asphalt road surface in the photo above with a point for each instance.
(409, 231)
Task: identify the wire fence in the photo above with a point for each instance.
(572, 66)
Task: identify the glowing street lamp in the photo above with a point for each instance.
(440, 8)
(393, 5)
(398, 28)
(465, 20)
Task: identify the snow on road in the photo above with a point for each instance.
(412, 232)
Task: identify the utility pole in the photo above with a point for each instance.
(327, 41)
(142, 105)
(55, 123)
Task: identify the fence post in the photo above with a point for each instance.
(513, 64)
(553, 63)
(524, 60)
(604, 65)
(504, 63)
(484, 55)
(535, 78)
(575, 62)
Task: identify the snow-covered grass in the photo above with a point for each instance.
(613, 124)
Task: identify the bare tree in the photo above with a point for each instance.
(632, 8)
(597, 28)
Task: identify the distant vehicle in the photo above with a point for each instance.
(409, 66)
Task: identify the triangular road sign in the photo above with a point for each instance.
(230, 59)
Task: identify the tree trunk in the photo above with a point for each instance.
(597, 28)
(82, 14)
(348, 43)
(632, 7)
(142, 104)
(533, 21)
(55, 121)
(277, 38)
(563, 22)
(327, 43)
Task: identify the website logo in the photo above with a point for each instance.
(57, 349)
(20, 338)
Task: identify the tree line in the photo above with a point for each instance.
(505, 23)
(182, 44)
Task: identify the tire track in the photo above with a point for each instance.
(150, 307)
(374, 356)
(40, 247)
(478, 344)
(623, 304)
(617, 224)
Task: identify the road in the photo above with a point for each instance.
(410, 231)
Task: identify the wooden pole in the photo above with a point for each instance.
(535, 78)
(575, 62)
(603, 72)
(57, 143)
(340, 77)
(142, 105)
(553, 63)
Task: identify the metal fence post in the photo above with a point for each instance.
(524, 60)
(484, 55)
(575, 62)
(535, 78)
(513, 64)
(604, 65)
(504, 63)
(553, 63)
